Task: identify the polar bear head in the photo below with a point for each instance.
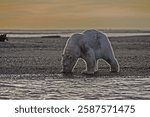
(68, 63)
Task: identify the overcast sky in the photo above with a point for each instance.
(74, 13)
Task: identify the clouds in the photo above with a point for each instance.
(74, 13)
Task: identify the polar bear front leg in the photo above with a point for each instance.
(90, 60)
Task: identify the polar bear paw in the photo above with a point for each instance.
(115, 69)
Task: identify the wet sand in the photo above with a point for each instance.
(30, 69)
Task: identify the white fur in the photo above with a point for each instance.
(90, 45)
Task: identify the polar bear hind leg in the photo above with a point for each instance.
(109, 56)
(113, 64)
(112, 61)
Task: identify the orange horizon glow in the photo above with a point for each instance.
(74, 14)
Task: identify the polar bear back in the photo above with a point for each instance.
(94, 34)
(96, 39)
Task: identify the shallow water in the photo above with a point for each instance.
(59, 86)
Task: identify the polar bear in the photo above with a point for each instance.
(89, 45)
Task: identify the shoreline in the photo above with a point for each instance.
(67, 35)
(45, 31)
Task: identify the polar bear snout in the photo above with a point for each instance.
(64, 70)
(67, 69)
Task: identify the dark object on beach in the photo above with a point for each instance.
(3, 37)
(52, 36)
